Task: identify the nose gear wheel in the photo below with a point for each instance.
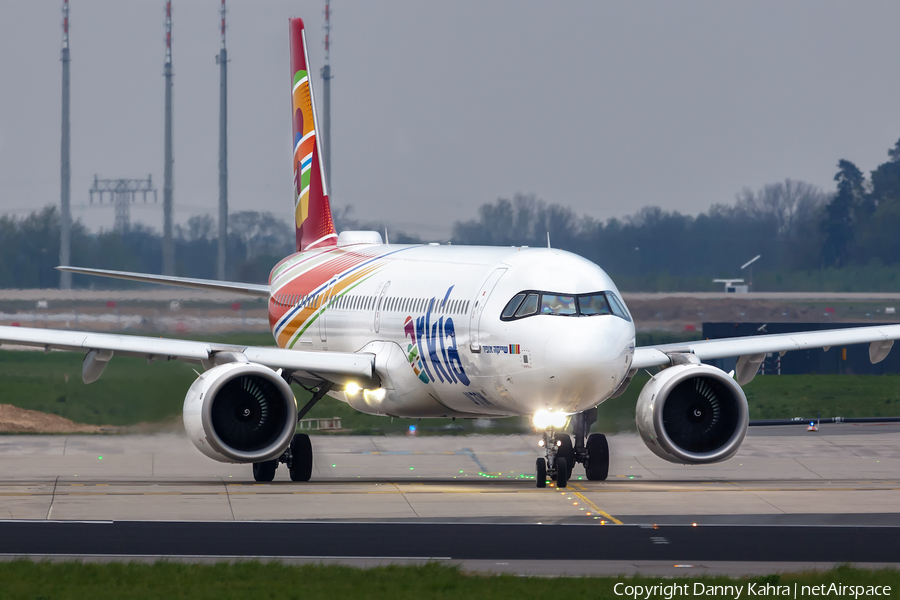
(589, 449)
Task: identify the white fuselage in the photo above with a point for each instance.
(432, 316)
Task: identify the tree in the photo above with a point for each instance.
(837, 227)
(262, 233)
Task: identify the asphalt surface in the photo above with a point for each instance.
(453, 541)
(790, 500)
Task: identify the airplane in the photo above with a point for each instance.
(433, 330)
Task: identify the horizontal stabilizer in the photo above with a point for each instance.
(247, 289)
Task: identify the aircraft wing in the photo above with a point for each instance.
(249, 289)
(337, 367)
(752, 349)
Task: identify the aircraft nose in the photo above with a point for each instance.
(588, 356)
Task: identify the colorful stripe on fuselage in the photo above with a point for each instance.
(312, 281)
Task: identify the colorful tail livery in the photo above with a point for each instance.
(312, 211)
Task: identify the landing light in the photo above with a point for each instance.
(374, 395)
(544, 419)
(351, 388)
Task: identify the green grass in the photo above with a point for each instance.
(783, 397)
(131, 392)
(70, 580)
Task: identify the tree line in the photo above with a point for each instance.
(843, 239)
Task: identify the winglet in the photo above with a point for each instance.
(312, 211)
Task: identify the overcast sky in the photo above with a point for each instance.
(439, 107)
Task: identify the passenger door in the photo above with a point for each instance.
(326, 300)
(381, 293)
(478, 308)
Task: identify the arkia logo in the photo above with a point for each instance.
(432, 350)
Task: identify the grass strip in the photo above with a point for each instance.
(251, 579)
(130, 392)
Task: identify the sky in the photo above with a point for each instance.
(440, 107)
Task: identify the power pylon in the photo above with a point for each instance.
(122, 193)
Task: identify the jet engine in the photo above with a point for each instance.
(240, 412)
(692, 414)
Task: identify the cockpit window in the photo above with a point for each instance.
(595, 304)
(512, 305)
(618, 307)
(527, 303)
(529, 307)
(557, 304)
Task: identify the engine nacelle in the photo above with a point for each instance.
(240, 412)
(692, 414)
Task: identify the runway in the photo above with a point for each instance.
(788, 495)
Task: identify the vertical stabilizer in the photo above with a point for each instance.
(312, 211)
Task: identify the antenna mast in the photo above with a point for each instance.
(222, 60)
(168, 243)
(326, 97)
(65, 179)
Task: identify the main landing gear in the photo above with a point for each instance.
(299, 455)
(591, 450)
(298, 458)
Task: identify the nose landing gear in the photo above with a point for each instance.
(589, 449)
(555, 464)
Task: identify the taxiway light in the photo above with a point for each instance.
(351, 388)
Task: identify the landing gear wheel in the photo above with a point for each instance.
(540, 475)
(596, 467)
(265, 471)
(562, 472)
(301, 458)
(565, 450)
